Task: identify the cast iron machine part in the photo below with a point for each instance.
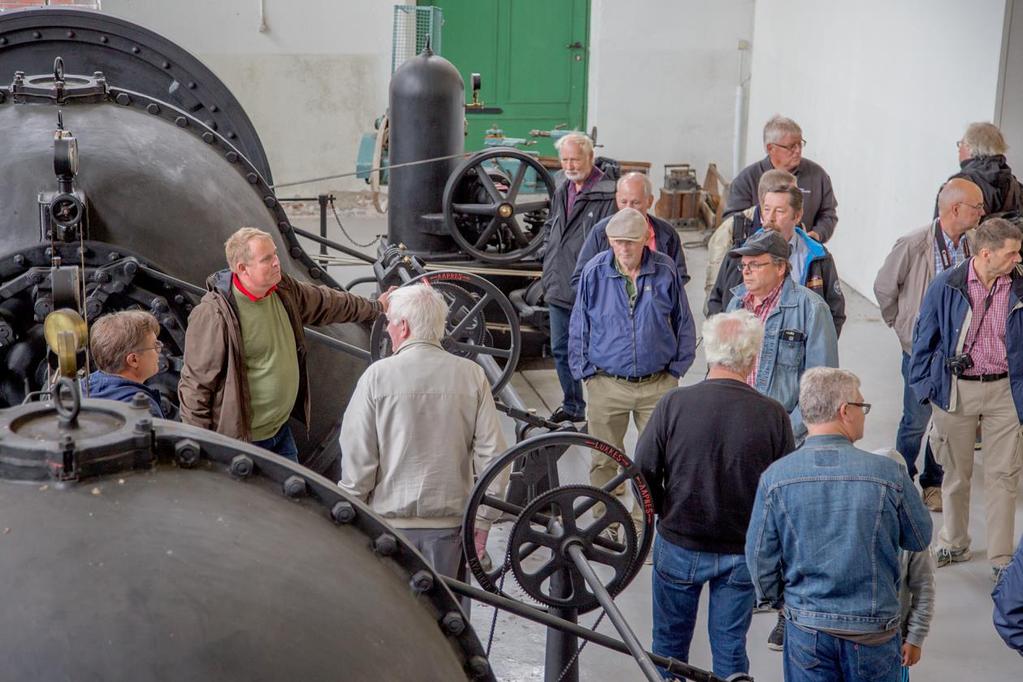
(175, 552)
(558, 550)
(124, 171)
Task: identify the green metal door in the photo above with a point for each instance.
(532, 57)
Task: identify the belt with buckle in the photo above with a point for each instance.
(985, 377)
(633, 380)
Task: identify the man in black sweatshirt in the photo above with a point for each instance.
(702, 454)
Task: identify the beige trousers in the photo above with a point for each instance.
(609, 404)
(952, 438)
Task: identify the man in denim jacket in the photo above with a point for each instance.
(828, 523)
(799, 332)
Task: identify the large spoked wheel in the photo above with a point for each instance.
(496, 203)
(477, 309)
(553, 517)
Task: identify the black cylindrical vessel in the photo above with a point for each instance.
(427, 121)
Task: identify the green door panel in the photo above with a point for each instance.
(532, 58)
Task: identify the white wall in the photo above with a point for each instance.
(312, 83)
(662, 79)
(882, 91)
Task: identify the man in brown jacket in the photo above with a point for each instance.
(244, 370)
(899, 288)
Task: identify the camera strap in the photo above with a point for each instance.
(983, 315)
(946, 257)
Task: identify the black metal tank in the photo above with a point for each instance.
(168, 167)
(144, 549)
(427, 121)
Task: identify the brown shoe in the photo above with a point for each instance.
(932, 498)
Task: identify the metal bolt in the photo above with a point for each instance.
(165, 64)
(168, 322)
(210, 123)
(187, 452)
(37, 34)
(7, 335)
(422, 581)
(315, 273)
(135, 49)
(181, 122)
(104, 40)
(140, 401)
(385, 545)
(232, 135)
(130, 268)
(453, 623)
(232, 157)
(153, 108)
(296, 251)
(158, 304)
(179, 299)
(70, 34)
(144, 426)
(191, 85)
(123, 99)
(214, 108)
(43, 307)
(252, 178)
(269, 201)
(241, 466)
(294, 486)
(112, 256)
(100, 276)
(19, 260)
(208, 137)
(479, 666)
(35, 277)
(3, 41)
(343, 512)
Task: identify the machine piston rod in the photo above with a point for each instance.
(543, 618)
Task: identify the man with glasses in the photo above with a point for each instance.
(798, 334)
(127, 353)
(244, 372)
(967, 361)
(784, 143)
(827, 525)
(781, 206)
(899, 287)
(982, 161)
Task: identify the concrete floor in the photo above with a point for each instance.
(962, 644)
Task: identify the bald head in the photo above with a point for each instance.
(960, 206)
(634, 190)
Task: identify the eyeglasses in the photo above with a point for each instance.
(975, 207)
(791, 147)
(960, 144)
(753, 267)
(158, 347)
(864, 406)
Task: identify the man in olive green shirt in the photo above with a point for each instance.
(244, 369)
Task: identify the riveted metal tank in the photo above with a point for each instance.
(427, 121)
(168, 167)
(144, 549)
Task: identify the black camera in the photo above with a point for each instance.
(958, 364)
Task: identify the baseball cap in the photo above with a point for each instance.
(765, 241)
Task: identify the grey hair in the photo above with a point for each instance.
(778, 127)
(984, 139)
(582, 140)
(422, 307)
(648, 186)
(732, 340)
(823, 391)
(992, 234)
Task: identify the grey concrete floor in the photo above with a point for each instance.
(962, 644)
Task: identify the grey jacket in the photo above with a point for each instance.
(901, 282)
(819, 203)
(418, 429)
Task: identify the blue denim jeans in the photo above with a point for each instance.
(678, 578)
(911, 431)
(573, 402)
(281, 443)
(814, 656)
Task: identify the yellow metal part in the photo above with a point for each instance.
(66, 334)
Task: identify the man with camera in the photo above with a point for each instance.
(967, 360)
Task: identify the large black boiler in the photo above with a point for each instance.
(143, 549)
(166, 167)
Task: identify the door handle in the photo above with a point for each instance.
(575, 46)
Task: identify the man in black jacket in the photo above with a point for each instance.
(812, 264)
(584, 199)
(702, 454)
(982, 161)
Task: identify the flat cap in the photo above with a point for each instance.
(629, 224)
(765, 241)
